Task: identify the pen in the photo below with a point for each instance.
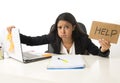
(63, 60)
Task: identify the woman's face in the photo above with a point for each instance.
(65, 29)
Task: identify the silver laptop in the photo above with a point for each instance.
(15, 50)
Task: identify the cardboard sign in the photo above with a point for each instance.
(107, 31)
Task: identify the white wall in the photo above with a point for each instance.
(34, 17)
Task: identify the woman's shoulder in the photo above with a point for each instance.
(84, 38)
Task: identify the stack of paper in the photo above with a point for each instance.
(66, 62)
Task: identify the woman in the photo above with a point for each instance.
(66, 38)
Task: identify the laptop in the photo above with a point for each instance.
(14, 50)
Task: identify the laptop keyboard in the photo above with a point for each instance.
(31, 56)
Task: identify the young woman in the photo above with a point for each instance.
(67, 38)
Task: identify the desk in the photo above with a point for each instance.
(98, 70)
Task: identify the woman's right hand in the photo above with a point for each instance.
(9, 28)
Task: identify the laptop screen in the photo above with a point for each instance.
(13, 45)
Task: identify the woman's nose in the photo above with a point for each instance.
(63, 30)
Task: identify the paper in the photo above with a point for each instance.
(66, 62)
(9, 38)
(107, 31)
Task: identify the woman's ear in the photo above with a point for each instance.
(74, 27)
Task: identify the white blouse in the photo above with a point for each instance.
(64, 50)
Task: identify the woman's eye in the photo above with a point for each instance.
(66, 27)
(59, 27)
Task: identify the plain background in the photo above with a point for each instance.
(35, 17)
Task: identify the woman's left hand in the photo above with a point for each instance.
(105, 45)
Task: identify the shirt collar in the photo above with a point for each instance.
(64, 50)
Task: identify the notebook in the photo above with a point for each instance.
(14, 49)
(66, 62)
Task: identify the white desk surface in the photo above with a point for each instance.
(98, 70)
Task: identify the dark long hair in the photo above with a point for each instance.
(71, 19)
